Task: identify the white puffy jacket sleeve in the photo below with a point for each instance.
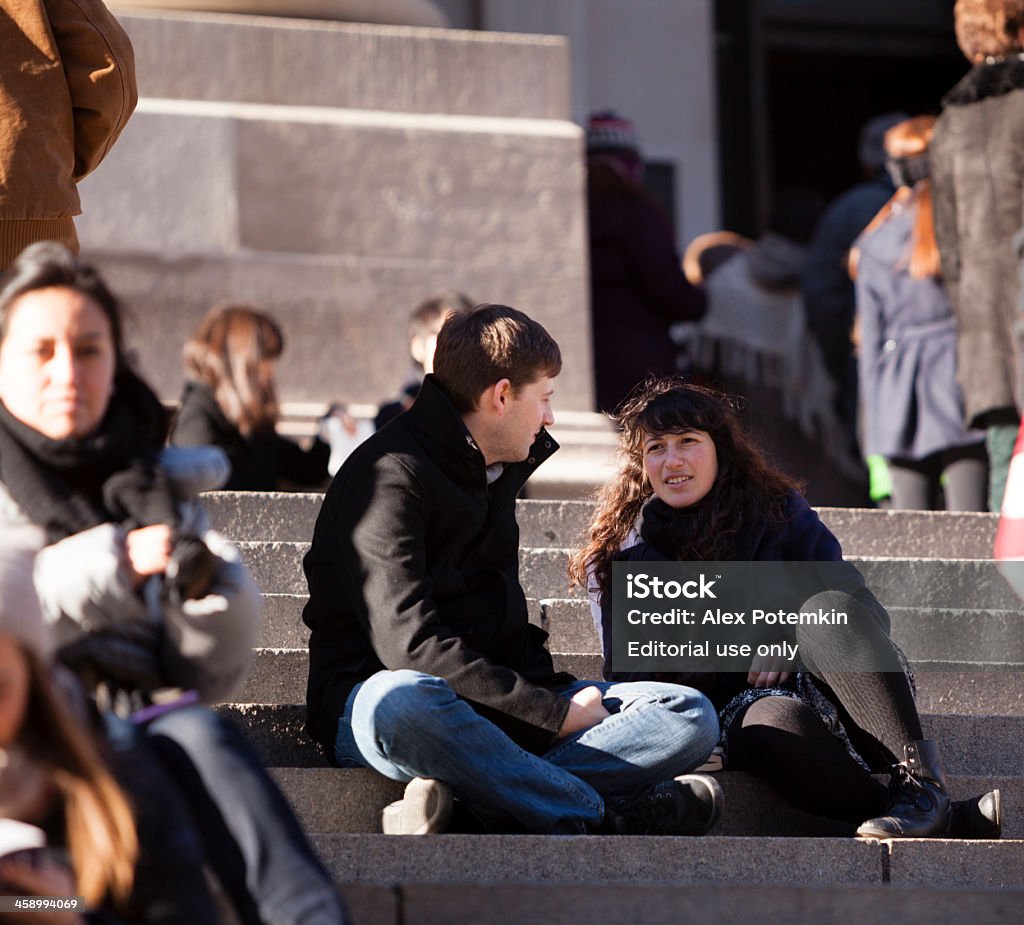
(85, 586)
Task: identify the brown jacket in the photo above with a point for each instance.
(67, 89)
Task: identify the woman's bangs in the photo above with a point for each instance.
(677, 411)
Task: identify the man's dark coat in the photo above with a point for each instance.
(415, 564)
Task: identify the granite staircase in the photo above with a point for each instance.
(953, 614)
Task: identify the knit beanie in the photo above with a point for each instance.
(608, 131)
(20, 614)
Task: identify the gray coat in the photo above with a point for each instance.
(912, 404)
(977, 158)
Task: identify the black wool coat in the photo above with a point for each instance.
(415, 565)
(259, 462)
(638, 290)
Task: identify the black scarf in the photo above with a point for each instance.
(670, 530)
(66, 486)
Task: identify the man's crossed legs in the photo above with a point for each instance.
(609, 777)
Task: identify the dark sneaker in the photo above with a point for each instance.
(425, 809)
(686, 805)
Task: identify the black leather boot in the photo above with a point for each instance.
(978, 817)
(918, 802)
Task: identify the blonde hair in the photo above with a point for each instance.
(988, 28)
(100, 824)
(911, 138)
(231, 353)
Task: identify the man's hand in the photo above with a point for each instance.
(765, 671)
(585, 710)
(148, 550)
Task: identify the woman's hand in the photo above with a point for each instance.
(148, 550)
(585, 710)
(766, 671)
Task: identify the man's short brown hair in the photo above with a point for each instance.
(988, 28)
(488, 343)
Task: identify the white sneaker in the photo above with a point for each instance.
(425, 809)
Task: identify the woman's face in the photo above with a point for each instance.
(13, 690)
(57, 362)
(681, 467)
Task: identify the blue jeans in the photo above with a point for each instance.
(253, 840)
(406, 724)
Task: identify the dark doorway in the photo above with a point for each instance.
(817, 104)
(797, 80)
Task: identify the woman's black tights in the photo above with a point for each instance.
(781, 739)
(961, 473)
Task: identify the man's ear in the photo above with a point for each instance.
(497, 397)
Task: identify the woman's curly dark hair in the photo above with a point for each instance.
(747, 487)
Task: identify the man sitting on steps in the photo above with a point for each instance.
(423, 663)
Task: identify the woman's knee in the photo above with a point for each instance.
(768, 727)
(778, 713)
(855, 638)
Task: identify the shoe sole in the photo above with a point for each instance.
(425, 809)
(997, 823)
(998, 800)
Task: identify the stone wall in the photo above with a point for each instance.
(337, 174)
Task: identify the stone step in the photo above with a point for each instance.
(560, 524)
(708, 860)
(279, 676)
(988, 693)
(981, 745)
(925, 634)
(954, 584)
(660, 904)
(336, 800)
(940, 583)
(244, 59)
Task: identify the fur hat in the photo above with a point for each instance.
(20, 614)
(608, 131)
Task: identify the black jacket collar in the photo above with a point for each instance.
(987, 80)
(439, 428)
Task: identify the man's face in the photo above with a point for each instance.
(526, 413)
(422, 347)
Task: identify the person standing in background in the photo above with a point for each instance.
(637, 285)
(913, 407)
(67, 89)
(977, 164)
(825, 282)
